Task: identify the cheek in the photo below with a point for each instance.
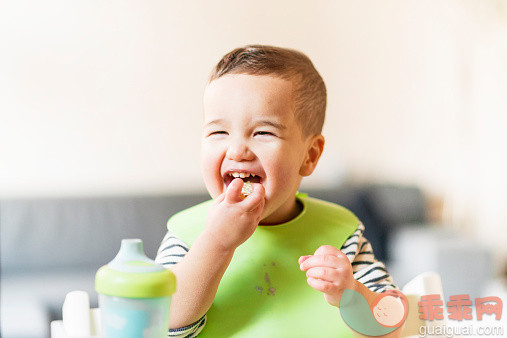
(282, 180)
(285, 168)
(210, 169)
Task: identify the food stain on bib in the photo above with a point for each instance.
(270, 291)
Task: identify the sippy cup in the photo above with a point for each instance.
(134, 294)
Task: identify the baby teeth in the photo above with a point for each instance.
(241, 175)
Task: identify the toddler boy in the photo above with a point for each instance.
(239, 260)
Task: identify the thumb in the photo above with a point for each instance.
(233, 192)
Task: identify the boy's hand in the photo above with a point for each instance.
(328, 271)
(232, 219)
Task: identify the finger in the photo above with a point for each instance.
(332, 292)
(257, 212)
(327, 250)
(256, 198)
(327, 274)
(329, 261)
(233, 192)
(321, 285)
(331, 250)
(258, 209)
(303, 258)
(220, 198)
(255, 205)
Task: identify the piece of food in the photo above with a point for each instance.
(247, 189)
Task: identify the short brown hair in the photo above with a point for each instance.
(288, 64)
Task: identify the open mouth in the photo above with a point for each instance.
(245, 176)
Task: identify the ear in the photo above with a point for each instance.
(314, 150)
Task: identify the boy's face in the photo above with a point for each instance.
(250, 127)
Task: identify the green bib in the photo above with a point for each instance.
(263, 293)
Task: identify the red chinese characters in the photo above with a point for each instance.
(430, 307)
(460, 307)
(482, 307)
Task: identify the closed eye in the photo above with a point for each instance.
(264, 133)
(219, 132)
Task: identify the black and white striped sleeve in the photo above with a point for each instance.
(366, 268)
(171, 251)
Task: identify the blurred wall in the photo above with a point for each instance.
(104, 98)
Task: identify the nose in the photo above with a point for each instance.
(239, 150)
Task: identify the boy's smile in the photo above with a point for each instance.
(250, 131)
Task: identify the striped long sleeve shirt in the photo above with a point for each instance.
(366, 269)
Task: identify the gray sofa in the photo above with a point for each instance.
(50, 247)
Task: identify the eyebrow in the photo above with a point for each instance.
(260, 122)
(212, 122)
(273, 124)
